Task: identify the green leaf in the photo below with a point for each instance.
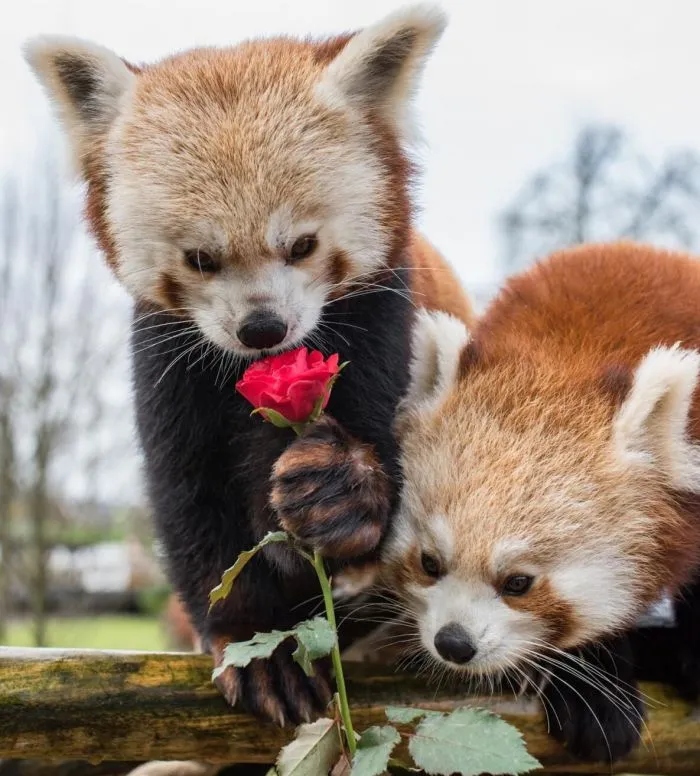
(313, 752)
(223, 589)
(404, 715)
(274, 417)
(374, 750)
(470, 742)
(315, 638)
(240, 653)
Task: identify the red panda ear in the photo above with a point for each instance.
(380, 67)
(650, 428)
(438, 342)
(86, 83)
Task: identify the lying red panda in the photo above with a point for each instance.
(552, 473)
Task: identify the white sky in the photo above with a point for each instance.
(504, 94)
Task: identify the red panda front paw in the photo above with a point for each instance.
(331, 492)
(593, 703)
(277, 689)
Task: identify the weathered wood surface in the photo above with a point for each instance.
(97, 706)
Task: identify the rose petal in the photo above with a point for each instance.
(303, 396)
(251, 390)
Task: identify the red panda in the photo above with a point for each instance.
(253, 199)
(551, 463)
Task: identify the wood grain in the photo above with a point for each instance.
(64, 705)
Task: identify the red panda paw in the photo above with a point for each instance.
(331, 492)
(598, 721)
(277, 689)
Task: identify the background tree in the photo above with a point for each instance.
(62, 339)
(604, 190)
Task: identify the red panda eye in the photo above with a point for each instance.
(431, 565)
(518, 584)
(302, 247)
(201, 262)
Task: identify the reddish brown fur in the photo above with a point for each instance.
(434, 282)
(547, 606)
(171, 294)
(179, 626)
(547, 317)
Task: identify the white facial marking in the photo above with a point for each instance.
(506, 553)
(498, 633)
(282, 230)
(599, 586)
(231, 297)
(441, 533)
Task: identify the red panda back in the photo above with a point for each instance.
(594, 309)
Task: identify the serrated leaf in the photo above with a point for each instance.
(276, 418)
(314, 750)
(223, 589)
(470, 742)
(315, 638)
(404, 715)
(240, 653)
(374, 750)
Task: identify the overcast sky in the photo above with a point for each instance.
(504, 94)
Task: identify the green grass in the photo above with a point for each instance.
(98, 632)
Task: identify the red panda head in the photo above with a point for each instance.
(538, 510)
(245, 187)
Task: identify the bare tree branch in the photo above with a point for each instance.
(605, 191)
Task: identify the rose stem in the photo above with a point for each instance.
(335, 654)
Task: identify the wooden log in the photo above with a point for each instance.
(97, 706)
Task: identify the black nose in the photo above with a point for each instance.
(262, 329)
(452, 643)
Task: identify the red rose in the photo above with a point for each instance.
(296, 385)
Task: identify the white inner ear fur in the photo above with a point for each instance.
(380, 67)
(438, 341)
(651, 426)
(85, 82)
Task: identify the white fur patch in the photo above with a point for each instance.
(230, 299)
(438, 340)
(443, 538)
(650, 428)
(50, 58)
(282, 230)
(497, 632)
(381, 65)
(507, 553)
(600, 587)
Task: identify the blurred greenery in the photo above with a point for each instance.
(152, 600)
(97, 632)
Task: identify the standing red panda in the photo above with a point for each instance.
(253, 199)
(552, 477)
